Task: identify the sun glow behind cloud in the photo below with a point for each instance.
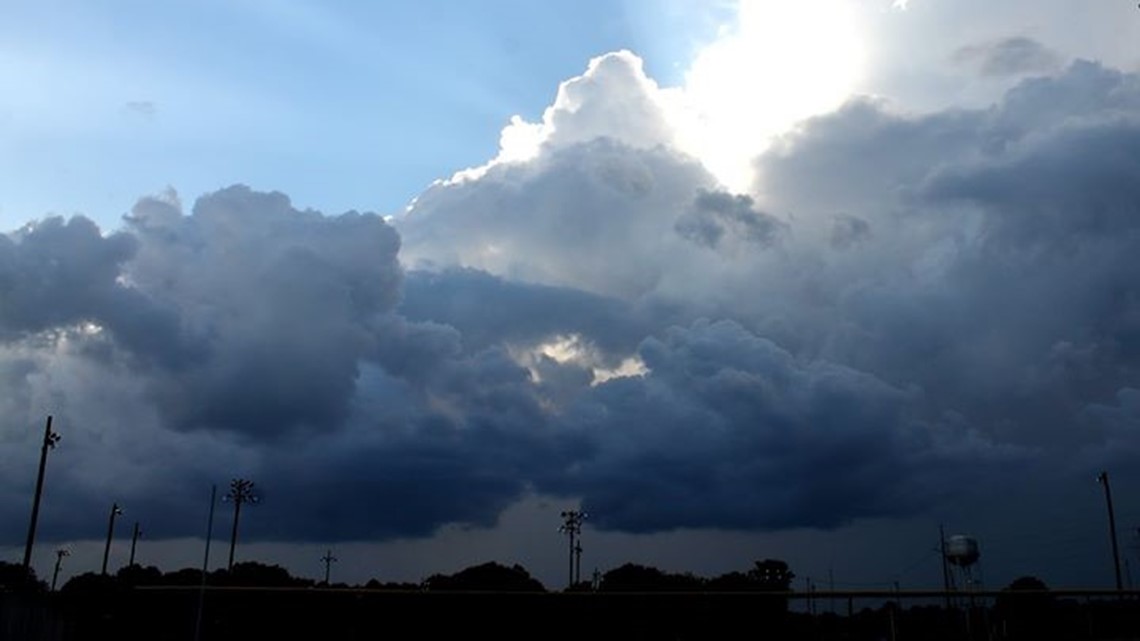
(780, 63)
(573, 348)
(777, 64)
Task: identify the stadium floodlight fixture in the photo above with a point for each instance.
(241, 492)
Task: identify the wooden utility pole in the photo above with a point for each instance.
(572, 527)
(50, 439)
(1103, 478)
(115, 511)
(59, 554)
(328, 560)
(134, 542)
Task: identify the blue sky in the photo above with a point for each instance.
(348, 105)
(357, 105)
(742, 279)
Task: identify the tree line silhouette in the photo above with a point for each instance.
(632, 601)
(765, 575)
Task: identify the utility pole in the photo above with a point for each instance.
(50, 440)
(809, 590)
(945, 568)
(205, 563)
(1103, 478)
(572, 526)
(831, 587)
(241, 491)
(115, 511)
(578, 561)
(59, 554)
(328, 559)
(134, 542)
(811, 595)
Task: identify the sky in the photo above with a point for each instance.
(741, 280)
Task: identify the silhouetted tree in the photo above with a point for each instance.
(185, 576)
(632, 577)
(254, 574)
(136, 574)
(772, 575)
(769, 575)
(1026, 609)
(15, 577)
(488, 576)
(374, 584)
(731, 582)
(581, 586)
(91, 583)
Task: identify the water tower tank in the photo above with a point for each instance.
(962, 550)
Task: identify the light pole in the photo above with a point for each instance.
(572, 526)
(115, 511)
(1103, 478)
(59, 554)
(578, 561)
(328, 559)
(50, 439)
(134, 542)
(241, 491)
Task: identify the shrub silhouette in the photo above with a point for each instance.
(632, 577)
(16, 577)
(488, 576)
(254, 574)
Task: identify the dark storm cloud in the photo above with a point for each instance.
(867, 157)
(1076, 182)
(847, 231)
(1060, 233)
(488, 310)
(281, 360)
(59, 272)
(1001, 270)
(1116, 422)
(1011, 56)
(278, 302)
(716, 216)
(729, 430)
(452, 438)
(1085, 90)
(172, 352)
(440, 472)
(953, 303)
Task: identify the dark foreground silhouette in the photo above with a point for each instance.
(632, 602)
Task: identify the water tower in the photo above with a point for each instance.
(962, 553)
